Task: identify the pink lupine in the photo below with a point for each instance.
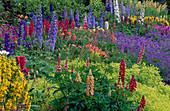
(72, 71)
(114, 25)
(87, 63)
(22, 61)
(132, 84)
(141, 53)
(66, 64)
(59, 64)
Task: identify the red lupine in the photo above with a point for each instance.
(31, 29)
(58, 23)
(66, 64)
(87, 63)
(58, 69)
(47, 27)
(62, 24)
(73, 25)
(26, 28)
(85, 26)
(142, 102)
(72, 71)
(132, 84)
(122, 73)
(141, 53)
(25, 70)
(22, 61)
(67, 23)
(139, 109)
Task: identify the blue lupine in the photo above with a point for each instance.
(122, 8)
(111, 7)
(34, 18)
(42, 9)
(131, 9)
(22, 31)
(101, 13)
(7, 42)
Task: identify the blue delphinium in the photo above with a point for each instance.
(71, 16)
(93, 21)
(51, 7)
(22, 31)
(39, 27)
(65, 12)
(31, 14)
(53, 31)
(77, 19)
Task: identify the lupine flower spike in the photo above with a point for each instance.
(90, 84)
(122, 73)
(141, 53)
(87, 63)
(142, 102)
(139, 109)
(58, 69)
(72, 71)
(66, 64)
(132, 84)
(78, 78)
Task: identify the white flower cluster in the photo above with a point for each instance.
(116, 10)
(142, 13)
(4, 52)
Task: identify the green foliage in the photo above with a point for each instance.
(40, 95)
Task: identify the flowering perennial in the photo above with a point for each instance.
(132, 84)
(90, 84)
(141, 53)
(122, 73)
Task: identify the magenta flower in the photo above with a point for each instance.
(66, 64)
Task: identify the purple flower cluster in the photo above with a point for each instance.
(9, 46)
(156, 51)
(77, 19)
(22, 31)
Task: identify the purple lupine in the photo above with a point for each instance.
(71, 16)
(39, 26)
(135, 10)
(34, 18)
(131, 9)
(89, 21)
(53, 31)
(101, 13)
(127, 10)
(77, 19)
(42, 9)
(29, 45)
(65, 13)
(93, 21)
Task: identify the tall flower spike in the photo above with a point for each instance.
(139, 109)
(132, 84)
(78, 78)
(141, 53)
(59, 64)
(73, 25)
(122, 72)
(31, 29)
(87, 63)
(90, 84)
(142, 102)
(72, 71)
(66, 64)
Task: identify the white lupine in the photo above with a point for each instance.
(4, 52)
(116, 10)
(142, 13)
(106, 25)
